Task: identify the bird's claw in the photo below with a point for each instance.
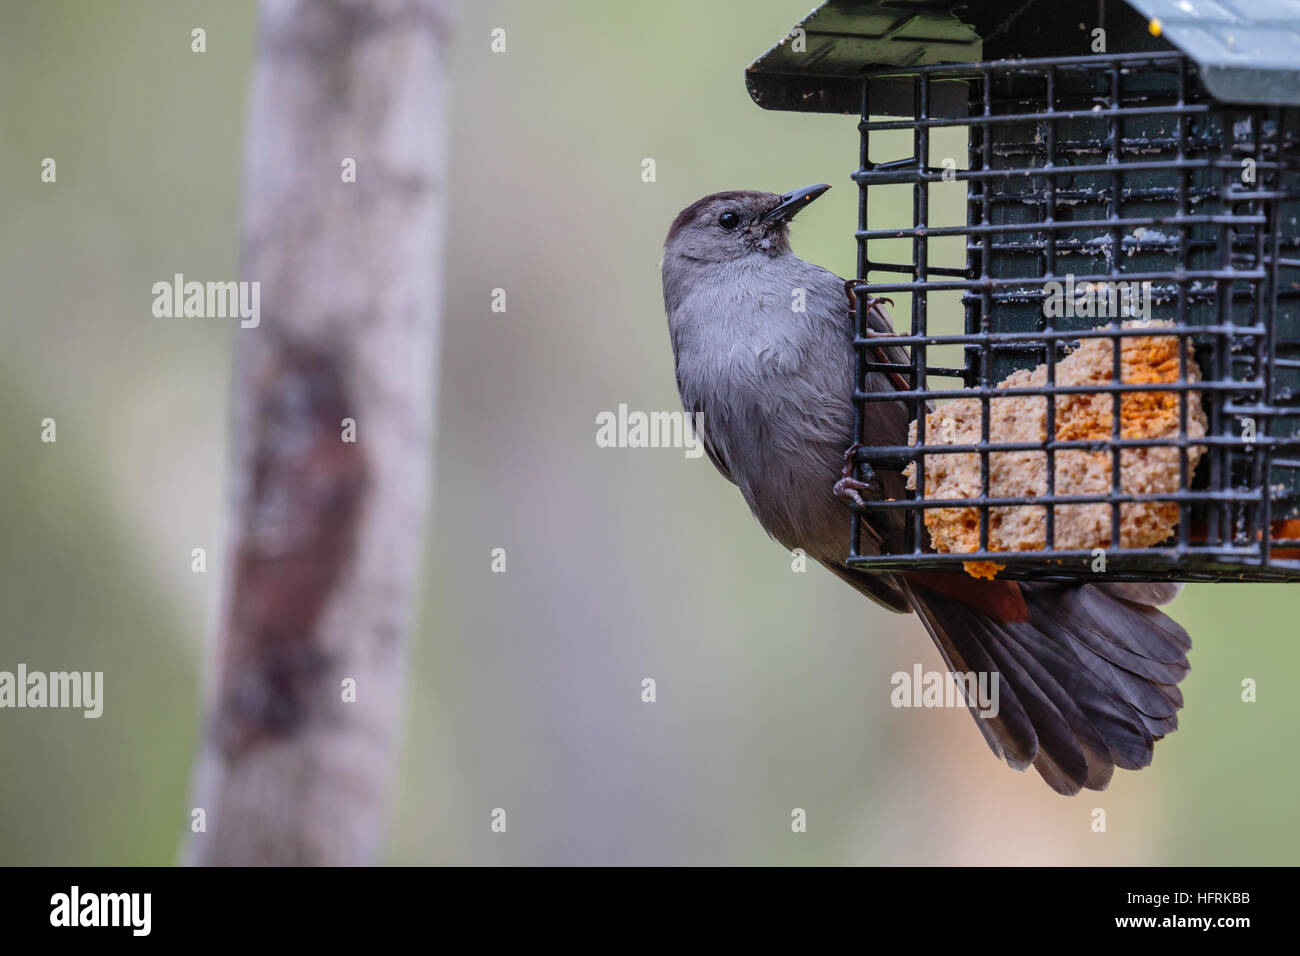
(849, 488)
(868, 303)
(847, 470)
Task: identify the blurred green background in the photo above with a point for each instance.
(524, 687)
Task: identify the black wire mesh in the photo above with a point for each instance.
(1101, 171)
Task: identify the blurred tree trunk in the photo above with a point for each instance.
(323, 537)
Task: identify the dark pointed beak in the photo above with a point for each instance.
(792, 202)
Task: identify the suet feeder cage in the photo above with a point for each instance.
(1084, 183)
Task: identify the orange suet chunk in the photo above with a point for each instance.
(1022, 419)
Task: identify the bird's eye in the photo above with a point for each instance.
(728, 220)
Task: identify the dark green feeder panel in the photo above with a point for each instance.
(1171, 157)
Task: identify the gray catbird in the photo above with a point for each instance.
(1087, 674)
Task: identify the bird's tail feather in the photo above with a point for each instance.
(1088, 681)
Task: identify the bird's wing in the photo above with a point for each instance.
(884, 589)
(878, 321)
(696, 415)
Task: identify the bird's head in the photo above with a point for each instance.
(732, 225)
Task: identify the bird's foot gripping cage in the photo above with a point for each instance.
(1103, 358)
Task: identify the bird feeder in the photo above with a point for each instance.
(1104, 331)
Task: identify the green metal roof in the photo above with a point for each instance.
(1248, 50)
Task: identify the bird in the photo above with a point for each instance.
(763, 345)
